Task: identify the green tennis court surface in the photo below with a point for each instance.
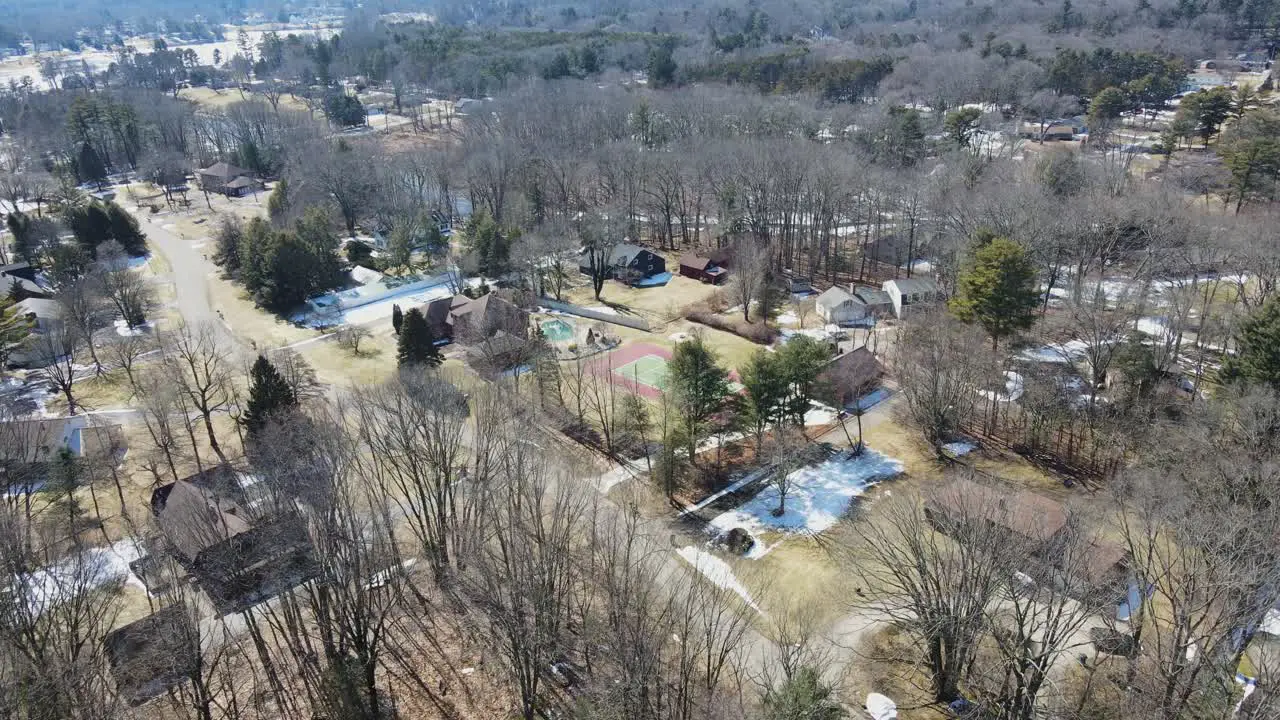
(648, 370)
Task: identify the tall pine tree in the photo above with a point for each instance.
(417, 346)
(997, 289)
(269, 395)
(1257, 357)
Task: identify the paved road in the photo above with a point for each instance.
(190, 273)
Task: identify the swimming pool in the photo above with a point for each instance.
(557, 330)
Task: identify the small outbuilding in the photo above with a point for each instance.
(703, 269)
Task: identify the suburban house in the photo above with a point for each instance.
(28, 446)
(1023, 515)
(239, 556)
(908, 293)
(850, 377)
(839, 306)
(227, 179)
(151, 655)
(1052, 131)
(1027, 517)
(460, 317)
(45, 317)
(702, 269)
(18, 280)
(877, 301)
(627, 263)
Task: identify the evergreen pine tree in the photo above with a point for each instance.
(1257, 357)
(417, 345)
(803, 695)
(90, 165)
(278, 202)
(125, 230)
(15, 328)
(997, 289)
(269, 394)
(397, 318)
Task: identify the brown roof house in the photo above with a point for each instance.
(703, 269)
(156, 653)
(463, 319)
(228, 180)
(1023, 514)
(240, 557)
(850, 377)
(1028, 517)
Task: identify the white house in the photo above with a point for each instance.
(906, 293)
(838, 306)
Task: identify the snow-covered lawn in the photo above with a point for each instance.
(818, 497)
(1156, 327)
(92, 569)
(717, 571)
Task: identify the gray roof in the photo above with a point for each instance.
(225, 171)
(242, 181)
(871, 296)
(619, 255)
(906, 286)
(836, 297)
(40, 307)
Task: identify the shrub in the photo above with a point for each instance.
(759, 333)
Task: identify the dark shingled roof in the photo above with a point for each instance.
(151, 655)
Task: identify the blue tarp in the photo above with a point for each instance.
(654, 280)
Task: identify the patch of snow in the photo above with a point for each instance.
(819, 414)
(818, 497)
(123, 329)
(959, 449)
(742, 482)
(1014, 386)
(1156, 327)
(880, 707)
(717, 571)
(94, 568)
(680, 337)
(1067, 352)
(603, 309)
(788, 318)
(819, 334)
(921, 266)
